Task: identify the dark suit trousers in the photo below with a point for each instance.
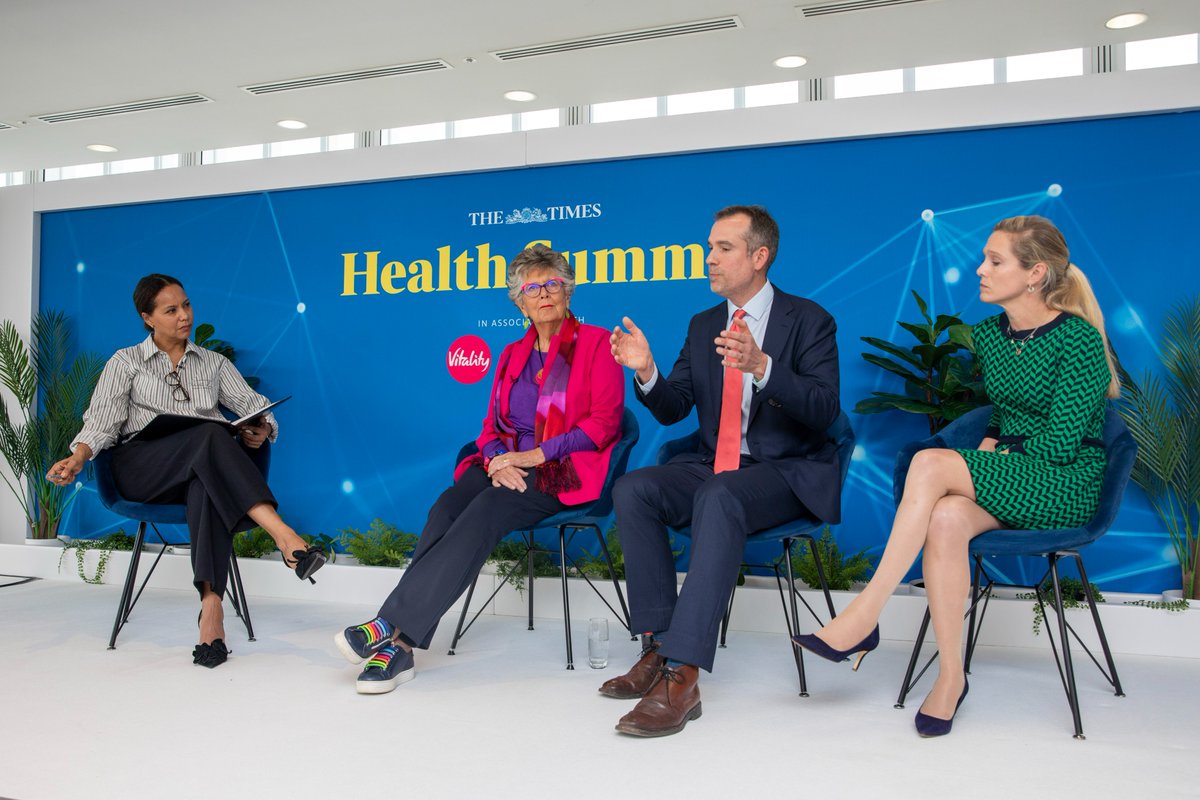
(211, 473)
(463, 528)
(722, 510)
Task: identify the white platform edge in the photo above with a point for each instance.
(1130, 629)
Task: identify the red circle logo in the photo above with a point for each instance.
(468, 359)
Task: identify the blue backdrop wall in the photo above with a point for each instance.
(352, 297)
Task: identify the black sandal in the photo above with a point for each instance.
(210, 655)
(306, 561)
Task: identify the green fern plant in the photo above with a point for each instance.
(254, 543)
(52, 390)
(510, 556)
(1163, 415)
(841, 572)
(381, 545)
(592, 564)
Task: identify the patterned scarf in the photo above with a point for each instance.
(553, 477)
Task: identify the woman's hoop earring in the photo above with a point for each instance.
(1029, 288)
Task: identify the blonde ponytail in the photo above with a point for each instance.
(1036, 240)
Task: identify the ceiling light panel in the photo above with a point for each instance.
(624, 37)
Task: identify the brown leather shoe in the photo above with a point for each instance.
(672, 701)
(638, 680)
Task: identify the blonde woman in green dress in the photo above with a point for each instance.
(1048, 369)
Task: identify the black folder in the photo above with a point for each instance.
(166, 424)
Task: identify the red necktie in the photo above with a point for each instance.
(729, 434)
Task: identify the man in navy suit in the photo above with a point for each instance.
(780, 360)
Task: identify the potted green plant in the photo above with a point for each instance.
(381, 545)
(941, 378)
(1073, 596)
(1163, 416)
(117, 540)
(254, 543)
(841, 572)
(52, 390)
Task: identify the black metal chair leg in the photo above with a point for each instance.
(127, 590)
(616, 583)
(912, 662)
(1091, 601)
(812, 548)
(1068, 668)
(728, 614)
(972, 627)
(562, 560)
(529, 582)
(240, 604)
(795, 617)
(458, 629)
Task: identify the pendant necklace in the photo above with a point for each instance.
(538, 377)
(1019, 344)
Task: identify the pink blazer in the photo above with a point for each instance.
(595, 403)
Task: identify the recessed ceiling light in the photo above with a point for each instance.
(790, 62)
(102, 148)
(520, 96)
(1121, 21)
(292, 124)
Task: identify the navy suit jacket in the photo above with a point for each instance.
(788, 417)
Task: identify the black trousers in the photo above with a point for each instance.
(211, 473)
(463, 528)
(721, 509)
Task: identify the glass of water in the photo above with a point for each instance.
(598, 642)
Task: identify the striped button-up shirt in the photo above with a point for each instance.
(133, 389)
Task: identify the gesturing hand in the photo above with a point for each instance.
(738, 349)
(632, 350)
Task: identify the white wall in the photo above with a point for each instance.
(1084, 97)
(18, 259)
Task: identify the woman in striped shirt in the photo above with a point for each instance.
(201, 466)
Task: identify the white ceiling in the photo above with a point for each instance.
(62, 55)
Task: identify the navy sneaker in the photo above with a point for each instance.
(386, 670)
(360, 642)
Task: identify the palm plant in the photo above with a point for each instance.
(941, 378)
(51, 396)
(1163, 416)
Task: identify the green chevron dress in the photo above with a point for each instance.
(1047, 391)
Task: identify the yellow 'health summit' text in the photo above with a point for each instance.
(363, 273)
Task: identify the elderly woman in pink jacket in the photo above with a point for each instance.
(553, 419)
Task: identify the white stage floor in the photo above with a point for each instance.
(503, 718)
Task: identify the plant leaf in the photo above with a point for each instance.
(903, 353)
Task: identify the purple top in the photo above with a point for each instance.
(522, 413)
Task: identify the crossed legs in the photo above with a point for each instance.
(938, 513)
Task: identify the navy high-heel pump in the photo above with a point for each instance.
(814, 645)
(929, 726)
